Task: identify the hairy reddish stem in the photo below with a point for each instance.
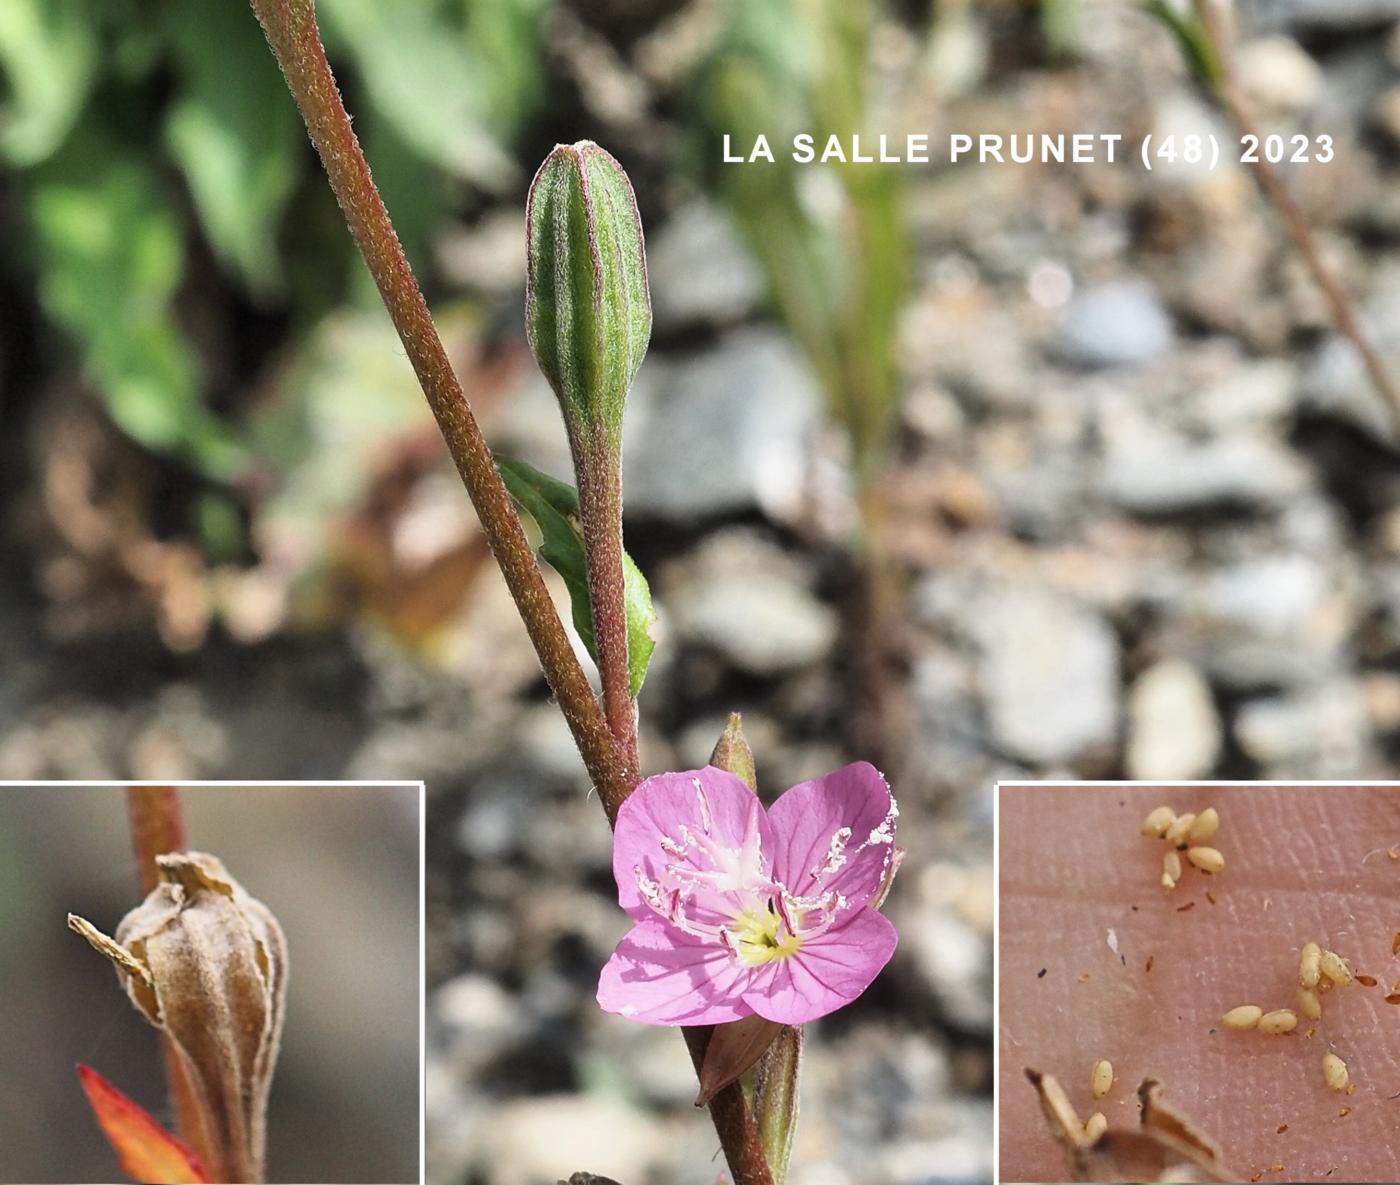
(158, 826)
(734, 1122)
(600, 511)
(291, 30)
(1343, 313)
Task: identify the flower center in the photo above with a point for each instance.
(760, 937)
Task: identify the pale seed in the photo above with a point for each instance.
(1101, 1078)
(1094, 1127)
(1281, 1020)
(1246, 1016)
(1309, 965)
(1179, 830)
(1171, 869)
(1334, 1071)
(1158, 821)
(1206, 825)
(1206, 859)
(1335, 968)
(1309, 1005)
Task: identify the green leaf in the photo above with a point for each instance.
(1192, 38)
(773, 1096)
(554, 506)
(235, 135)
(421, 79)
(109, 254)
(48, 55)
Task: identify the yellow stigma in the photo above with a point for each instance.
(761, 938)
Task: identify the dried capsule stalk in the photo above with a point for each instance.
(1205, 826)
(1334, 1072)
(1101, 1078)
(1309, 1005)
(1178, 831)
(1171, 869)
(1158, 821)
(1309, 965)
(207, 964)
(1246, 1016)
(1335, 968)
(1281, 1020)
(1206, 859)
(1059, 1112)
(1094, 1127)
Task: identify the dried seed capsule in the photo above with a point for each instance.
(1094, 1127)
(1206, 859)
(1281, 1020)
(1158, 821)
(1309, 965)
(1308, 1004)
(1171, 869)
(1334, 1071)
(1205, 826)
(1101, 1078)
(207, 964)
(1335, 968)
(1178, 831)
(1246, 1016)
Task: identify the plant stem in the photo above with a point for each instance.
(600, 510)
(158, 826)
(734, 1122)
(1344, 315)
(290, 26)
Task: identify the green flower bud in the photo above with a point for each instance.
(587, 305)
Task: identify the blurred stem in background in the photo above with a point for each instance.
(158, 826)
(834, 247)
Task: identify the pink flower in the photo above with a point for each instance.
(742, 911)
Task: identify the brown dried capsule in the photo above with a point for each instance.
(1171, 870)
(1281, 1020)
(1206, 859)
(1101, 1078)
(1309, 965)
(1334, 1072)
(1158, 821)
(1335, 968)
(1178, 831)
(1309, 1005)
(1246, 1016)
(1205, 826)
(207, 965)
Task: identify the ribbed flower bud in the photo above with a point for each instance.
(207, 965)
(587, 305)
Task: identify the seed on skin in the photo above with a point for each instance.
(1101, 1078)
(1206, 859)
(1178, 831)
(1171, 869)
(1366, 980)
(1206, 825)
(1210, 896)
(1310, 1034)
(1334, 1071)
(1393, 853)
(1150, 960)
(1184, 908)
(1246, 1016)
(1344, 1112)
(1095, 1126)
(1257, 1177)
(1309, 965)
(1335, 968)
(1282, 1127)
(1393, 998)
(1158, 821)
(1281, 1020)
(1309, 1005)
(1395, 944)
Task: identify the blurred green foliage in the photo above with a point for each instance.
(135, 128)
(836, 261)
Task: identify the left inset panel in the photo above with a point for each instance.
(241, 983)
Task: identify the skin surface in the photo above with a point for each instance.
(1301, 863)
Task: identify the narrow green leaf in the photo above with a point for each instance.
(235, 136)
(553, 505)
(1192, 38)
(48, 59)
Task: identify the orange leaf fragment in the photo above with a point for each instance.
(147, 1152)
